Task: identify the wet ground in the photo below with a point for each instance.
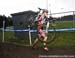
(17, 51)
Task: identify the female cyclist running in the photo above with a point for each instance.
(41, 33)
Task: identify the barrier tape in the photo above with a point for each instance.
(51, 30)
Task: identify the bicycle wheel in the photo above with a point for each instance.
(51, 34)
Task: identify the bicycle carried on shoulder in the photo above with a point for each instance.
(49, 27)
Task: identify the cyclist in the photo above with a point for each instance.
(41, 20)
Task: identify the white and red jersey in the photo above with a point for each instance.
(41, 20)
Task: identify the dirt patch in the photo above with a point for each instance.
(17, 51)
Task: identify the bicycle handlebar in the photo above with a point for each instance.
(40, 9)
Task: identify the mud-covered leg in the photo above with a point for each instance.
(35, 42)
(44, 44)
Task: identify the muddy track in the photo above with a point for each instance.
(17, 51)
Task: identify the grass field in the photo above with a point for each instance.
(65, 24)
(63, 39)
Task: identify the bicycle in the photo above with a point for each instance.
(48, 25)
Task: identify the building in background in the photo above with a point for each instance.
(21, 21)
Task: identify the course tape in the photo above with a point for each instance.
(50, 30)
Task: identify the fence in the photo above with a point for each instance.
(65, 21)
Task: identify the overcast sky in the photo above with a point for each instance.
(13, 6)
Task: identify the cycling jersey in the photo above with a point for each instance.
(41, 21)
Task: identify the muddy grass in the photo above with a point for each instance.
(17, 51)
